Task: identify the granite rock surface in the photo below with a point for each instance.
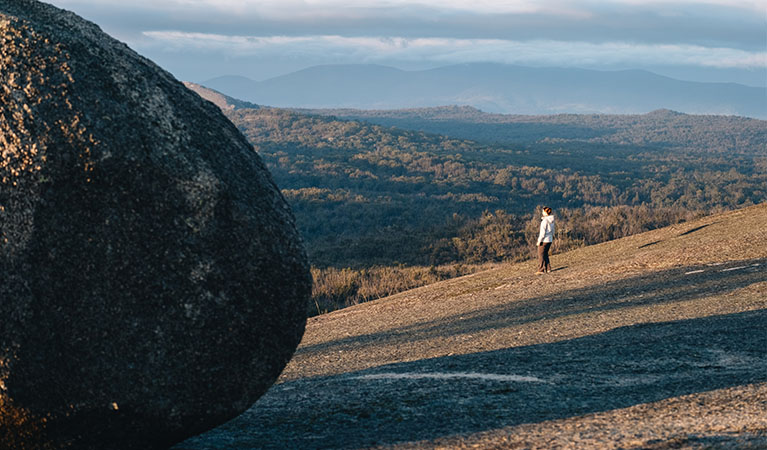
(152, 281)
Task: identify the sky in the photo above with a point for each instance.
(197, 40)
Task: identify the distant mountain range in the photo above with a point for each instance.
(495, 88)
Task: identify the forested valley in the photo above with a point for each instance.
(384, 209)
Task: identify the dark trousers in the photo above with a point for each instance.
(543, 257)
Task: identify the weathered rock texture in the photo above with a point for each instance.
(152, 282)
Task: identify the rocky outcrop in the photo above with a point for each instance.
(224, 102)
(152, 282)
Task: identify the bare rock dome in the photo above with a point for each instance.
(152, 281)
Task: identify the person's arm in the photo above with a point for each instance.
(542, 232)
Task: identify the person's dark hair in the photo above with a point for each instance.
(547, 209)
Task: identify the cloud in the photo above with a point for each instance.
(708, 23)
(482, 6)
(269, 37)
(450, 50)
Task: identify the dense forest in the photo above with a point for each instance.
(661, 128)
(392, 208)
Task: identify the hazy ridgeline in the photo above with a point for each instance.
(494, 87)
(385, 209)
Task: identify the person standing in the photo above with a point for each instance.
(545, 238)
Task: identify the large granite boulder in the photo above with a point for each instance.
(152, 282)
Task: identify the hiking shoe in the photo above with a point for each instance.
(539, 273)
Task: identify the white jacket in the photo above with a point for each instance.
(547, 229)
